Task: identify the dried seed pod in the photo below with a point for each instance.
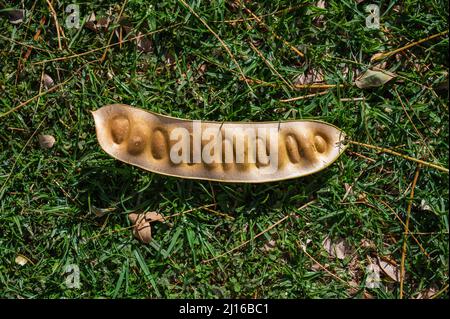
(244, 152)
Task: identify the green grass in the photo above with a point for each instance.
(47, 196)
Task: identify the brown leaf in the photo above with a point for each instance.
(270, 245)
(16, 16)
(374, 78)
(100, 212)
(91, 23)
(103, 23)
(316, 267)
(201, 69)
(47, 81)
(427, 293)
(21, 260)
(373, 276)
(97, 25)
(319, 21)
(389, 269)
(142, 229)
(144, 44)
(46, 141)
(335, 249)
(154, 216)
(424, 206)
(311, 76)
(367, 243)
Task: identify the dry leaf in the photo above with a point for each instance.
(103, 23)
(373, 276)
(335, 249)
(47, 81)
(427, 293)
(46, 141)
(311, 76)
(142, 229)
(91, 22)
(378, 56)
(424, 206)
(348, 191)
(16, 16)
(270, 245)
(316, 267)
(21, 260)
(319, 20)
(154, 216)
(367, 243)
(202, 69)
(374, 78)
(144, 44)
(389, 269)
(303, 246)
(100, 212)
(98, 25)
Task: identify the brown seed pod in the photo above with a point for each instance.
(243, 152)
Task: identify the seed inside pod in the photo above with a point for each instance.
(246, 152)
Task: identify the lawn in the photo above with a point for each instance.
(372, 225)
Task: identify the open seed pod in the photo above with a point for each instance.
(244, 152)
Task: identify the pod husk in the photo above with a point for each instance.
(144, 139)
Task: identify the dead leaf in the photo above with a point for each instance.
(378, 56)
(142, 229)
(373, 276)
(100, 212)
(270, 245)
(103, 23)
(47, 81)
(154, 217)
(100, 24)
(311, 76)
(144, 44)
(368, 295)
(201, 69)
(91, 22)
(16, 16)
(367, 243)
(303, 246)
(374, 78)
(389, 269)
(335, 249)
(21, 260)
(46, 141)
(427, 293)
(316, 267)
(424, 206)
(319, 21)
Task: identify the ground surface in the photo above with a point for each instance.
(51, 199)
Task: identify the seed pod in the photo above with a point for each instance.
(243, 152)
